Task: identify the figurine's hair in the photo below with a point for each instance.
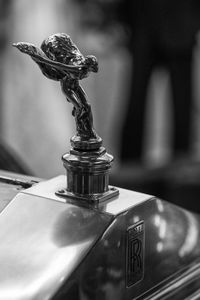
(57, 47)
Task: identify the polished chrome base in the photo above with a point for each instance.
(78, 142)
(88, 175)
(96, 198)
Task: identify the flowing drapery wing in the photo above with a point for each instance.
(39, 57)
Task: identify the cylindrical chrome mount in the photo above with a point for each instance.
(87, 165)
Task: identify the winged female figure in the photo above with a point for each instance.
(60, 59)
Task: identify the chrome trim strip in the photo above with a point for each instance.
(174, 285)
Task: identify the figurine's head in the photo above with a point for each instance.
(57, 47)
(91, 63)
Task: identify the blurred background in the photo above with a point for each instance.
(145, 54)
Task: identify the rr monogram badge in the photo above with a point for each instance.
(135, 254)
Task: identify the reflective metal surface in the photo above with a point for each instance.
(117, 205)
(171, 257)
(88, 175)
(171, 250)
(11, 184)
(132, 247)
(41, 243)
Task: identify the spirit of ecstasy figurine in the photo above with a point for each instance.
(87, 163)
(59, 59)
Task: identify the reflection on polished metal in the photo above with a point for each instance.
(87, 175)
(135, 247)
(87, 164)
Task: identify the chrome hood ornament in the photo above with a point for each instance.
(87, 164)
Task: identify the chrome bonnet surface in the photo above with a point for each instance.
(133, 246)
(42, 242)
(151, 251)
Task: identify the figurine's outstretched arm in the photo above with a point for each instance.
(38, 56)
